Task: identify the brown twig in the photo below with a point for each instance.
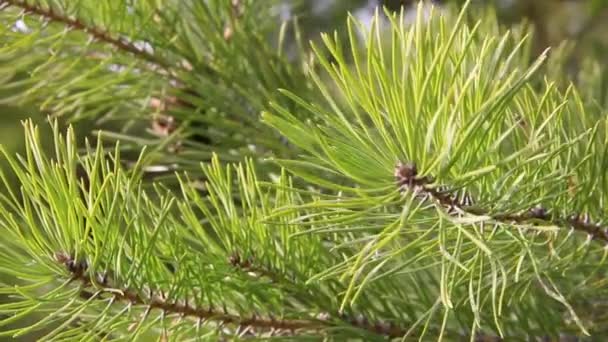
(161, 65)
(96, 32)
(406, 176)
(103, 284)
(388, 329)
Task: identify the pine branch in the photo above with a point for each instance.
(104, 285)
(406, 176)
(388, 329)
(383, 273)
(96, 32)
(384, 328)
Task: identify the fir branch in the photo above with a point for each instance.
(96, 32)
(406, 176)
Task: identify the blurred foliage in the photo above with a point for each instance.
(583, 23)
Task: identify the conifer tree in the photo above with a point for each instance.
(423, 178)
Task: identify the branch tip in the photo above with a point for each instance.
(457, 202)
